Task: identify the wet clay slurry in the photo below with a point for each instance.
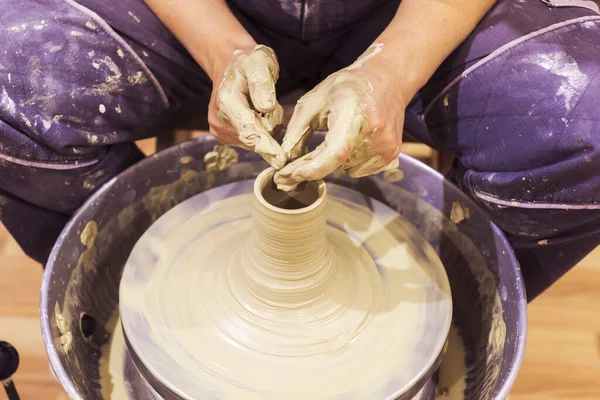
(229, 296)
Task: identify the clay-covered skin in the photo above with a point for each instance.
(333, 300)
(362, 119)
(248, 111)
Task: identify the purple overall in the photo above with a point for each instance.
(517, 103)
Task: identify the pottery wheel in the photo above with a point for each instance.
(199, 328)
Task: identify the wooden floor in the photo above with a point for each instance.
(562, 360)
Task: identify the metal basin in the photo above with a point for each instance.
(81, 281)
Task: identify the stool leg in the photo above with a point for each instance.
(11, 390)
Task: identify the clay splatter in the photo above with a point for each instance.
(395, 175)
(459, 213)
(137, 78)
(41, 25)
(112, 363)
(66, 337)
(453, 370)
(90, 181)
(220, 158)
(561, 64)
(88, 236)
(132, 15)
(7, 103)
(186, 160)
(18, 28)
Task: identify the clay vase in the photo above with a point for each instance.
(287, 258)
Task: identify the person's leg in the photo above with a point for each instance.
(74, 95)
(517, 104)
(82, 81)
(520, 113)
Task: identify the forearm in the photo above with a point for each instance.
(207, 29)
(422, 35)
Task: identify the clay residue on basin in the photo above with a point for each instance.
(88, 236)
(453, 370)
(112, 363)
(66, 337)
(459, 213)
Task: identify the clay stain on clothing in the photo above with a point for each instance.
(132, 15)
(565, 66)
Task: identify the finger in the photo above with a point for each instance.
(302, 123)
(251, 132)
(226, 135)
(345, 125)
(361, 152)
(387, 144)
(295, 172)
(261, 71)
(234, 108)
(273, 120)
(372, 166)
(260, 141)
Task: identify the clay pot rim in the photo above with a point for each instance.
(265, 176)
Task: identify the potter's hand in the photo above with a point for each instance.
(243, 110)
(364, 116)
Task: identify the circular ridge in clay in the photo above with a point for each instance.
(229, 296)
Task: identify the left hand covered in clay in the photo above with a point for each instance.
(243, 110)
(364, 116)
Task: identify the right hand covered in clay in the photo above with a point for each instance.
(243, 109)
(363, 111)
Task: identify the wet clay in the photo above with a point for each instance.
(266, 295)
(112, 363)
(341, 105)
(453, 370)
(251, 77)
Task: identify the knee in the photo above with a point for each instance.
(538, 174)
(60, 183)
(543, 201)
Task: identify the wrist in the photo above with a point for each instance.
(386, 75)
(215, 58)
(387, 66)
(398, 72)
